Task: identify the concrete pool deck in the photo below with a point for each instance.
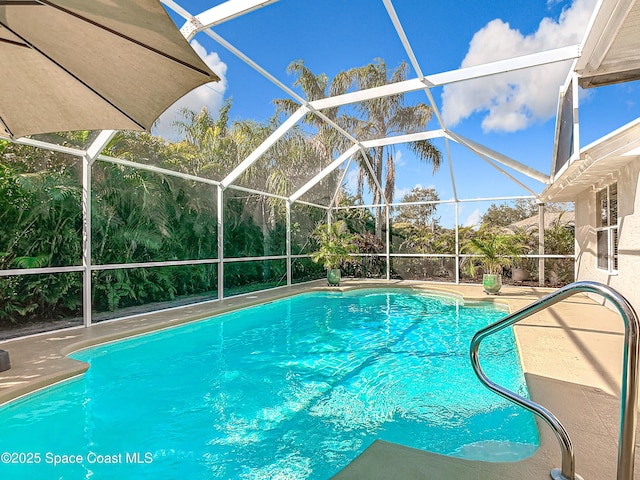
(571, 355)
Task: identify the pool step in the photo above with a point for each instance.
(384, 461)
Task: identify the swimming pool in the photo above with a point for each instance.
(294, 389)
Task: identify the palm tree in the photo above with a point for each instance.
(213, 146)
(494, 251)
(209, 148)
(376, 118)
(327, 141)
(384, 117)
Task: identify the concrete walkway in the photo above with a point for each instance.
(571, 354)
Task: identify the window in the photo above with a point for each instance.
(607, 228)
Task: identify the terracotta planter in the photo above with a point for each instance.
(492, 283)
(333, 276)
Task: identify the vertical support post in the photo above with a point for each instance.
(220, 214)
(86, 240)
(88, 159)
(288, 243)
(541, 272)
(387, 242)
(457, 246)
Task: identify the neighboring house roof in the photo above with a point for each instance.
(550, 218)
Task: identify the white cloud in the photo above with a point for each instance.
(399, 193)
(515, 100)
(473, 220)
(209, 95)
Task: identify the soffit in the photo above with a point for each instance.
(611, 51)
(597, 164)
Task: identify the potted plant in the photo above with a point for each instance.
(524, 241)
(494, 252)
(335, 246)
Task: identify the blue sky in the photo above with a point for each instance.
(514, 114)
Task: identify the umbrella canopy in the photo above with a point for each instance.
(91, 65)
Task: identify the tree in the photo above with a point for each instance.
(422, 215)
(336, 243)
(384, 117)
(358, 220)
(505, 214)
(370, 119)
(209, 147)
(494, 251)
(327, 141)
(214, 146)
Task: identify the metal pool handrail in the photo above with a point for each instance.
(629, 392)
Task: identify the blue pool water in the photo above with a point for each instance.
(293, 389)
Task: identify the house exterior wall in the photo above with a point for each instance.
(627, 278)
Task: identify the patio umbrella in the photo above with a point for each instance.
(91, 65)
